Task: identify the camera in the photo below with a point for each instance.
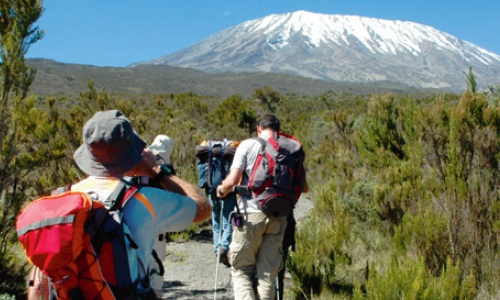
(238, 220)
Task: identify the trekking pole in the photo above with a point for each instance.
(278, 288)
(221, 224)
(280, 283)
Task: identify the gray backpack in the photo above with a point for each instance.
(277, 174)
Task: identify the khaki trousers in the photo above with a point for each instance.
(255, 256)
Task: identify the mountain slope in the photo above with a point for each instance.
(341, 48)
(54, 78)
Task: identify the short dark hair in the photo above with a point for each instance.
(269, 121)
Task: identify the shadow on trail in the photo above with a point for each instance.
(174, 290)
(204, 235)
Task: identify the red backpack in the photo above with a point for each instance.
(276, 177)
(82, 246)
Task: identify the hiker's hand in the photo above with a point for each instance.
(147, 166)
(220, 192)
(149, 158)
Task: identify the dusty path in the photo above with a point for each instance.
(190, 271)
(190, 267)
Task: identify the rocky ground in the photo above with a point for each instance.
(190, 267)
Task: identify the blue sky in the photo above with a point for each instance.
(121, 32)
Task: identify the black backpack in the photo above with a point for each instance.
(214, 159)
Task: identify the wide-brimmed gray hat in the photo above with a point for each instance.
(110, 145)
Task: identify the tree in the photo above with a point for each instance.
(471, 82)
(269, 97)
(17, 34)
(233, 110)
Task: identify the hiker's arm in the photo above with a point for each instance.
(231, 180)
(177, 185)
(172, 183)
(304, 186)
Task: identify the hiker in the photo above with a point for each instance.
(162, 148)
(214, 160)
(110, 151)
(255, 249)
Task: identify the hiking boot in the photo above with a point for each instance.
(223, 257)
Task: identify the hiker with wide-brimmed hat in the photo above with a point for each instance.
(111, 150)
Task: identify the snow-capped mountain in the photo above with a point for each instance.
(342, 48)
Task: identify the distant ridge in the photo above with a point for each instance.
(338, 48)
(54, 78)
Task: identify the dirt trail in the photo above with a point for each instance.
(190, 267)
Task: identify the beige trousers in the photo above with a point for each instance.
(255, 256)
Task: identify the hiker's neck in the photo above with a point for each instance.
(266, 133)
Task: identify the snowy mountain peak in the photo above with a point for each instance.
(378, 36)
(341, 48)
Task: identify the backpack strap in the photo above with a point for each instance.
(209, 166)
(61, 190)
(115, 201)
(240, 190)
(161, 269)
(222, 162)
(115, 197)
(262, 142)
(106, 233)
